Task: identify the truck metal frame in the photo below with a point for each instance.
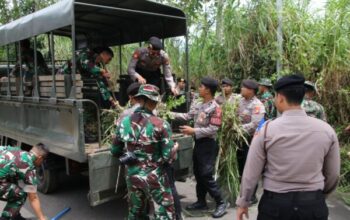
(58, 122)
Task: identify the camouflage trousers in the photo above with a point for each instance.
(148, 188)
(15, 197)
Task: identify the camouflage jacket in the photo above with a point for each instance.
(142, 60)
(16, 164)
(88, 68)
(147, 136)
(251, 112)
(314, 109)
(268, 100)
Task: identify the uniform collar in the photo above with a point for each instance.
(294, 112)
(143, 110)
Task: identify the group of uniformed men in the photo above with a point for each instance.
(297, 155)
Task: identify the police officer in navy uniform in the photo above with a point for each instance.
(207, 121)
(298, 157)
(145, 64)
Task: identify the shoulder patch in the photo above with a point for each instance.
(136, 54)
(216, 117)
(257, 109)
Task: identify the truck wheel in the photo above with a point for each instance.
(48, 179)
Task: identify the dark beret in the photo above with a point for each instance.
(210, 82)
(133, 89)
(227, 82)
(290, 80)
(156, 43)
(250, 84)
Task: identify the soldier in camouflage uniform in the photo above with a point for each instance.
(92, 64)
(227, 92)
(251, 111)
(148, 143)
(145, 65)
(267, 98)
(311, 107)
(27, 55)
(207, 121)
(16, 165)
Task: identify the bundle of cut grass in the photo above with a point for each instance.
(108, 119)
(230, 138)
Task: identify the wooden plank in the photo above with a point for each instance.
(57, 77)
(13, 88)
(59, 95)
(59, 83)
(5, 79)
(58, 89)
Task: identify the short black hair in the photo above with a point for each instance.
(104, 49)
(294, 94)
(212, 89)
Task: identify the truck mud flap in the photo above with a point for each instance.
(103, 172)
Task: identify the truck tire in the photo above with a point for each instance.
(48, 179)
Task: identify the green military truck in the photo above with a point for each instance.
(53, 111)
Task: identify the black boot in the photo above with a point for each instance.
(197, 206)
(19, 217)
(220, 209)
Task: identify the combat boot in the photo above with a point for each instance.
(220, 209)
(197, 206)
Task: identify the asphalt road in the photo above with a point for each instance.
(73, 193)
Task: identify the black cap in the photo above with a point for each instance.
(210, 82)
(227, 82)
(133, 89)
(156, 43)
(250, 84)
(290, 80)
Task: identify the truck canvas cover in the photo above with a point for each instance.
(111, 22)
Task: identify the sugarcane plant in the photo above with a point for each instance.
(231, 136)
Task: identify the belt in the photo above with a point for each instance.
(204, 139)
(295, 196)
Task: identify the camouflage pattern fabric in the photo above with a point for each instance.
(15, 165)
(88, 68)
(314, 109)
(148, 137)
(268, 100)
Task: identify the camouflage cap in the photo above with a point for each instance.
(265, 82)
(310, 85)
(149, 91)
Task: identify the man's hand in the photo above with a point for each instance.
(174, 152)
(141, 80)
(106, 74)
(240, 212)
(174, 91)
(35, 203)
(187, 130)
